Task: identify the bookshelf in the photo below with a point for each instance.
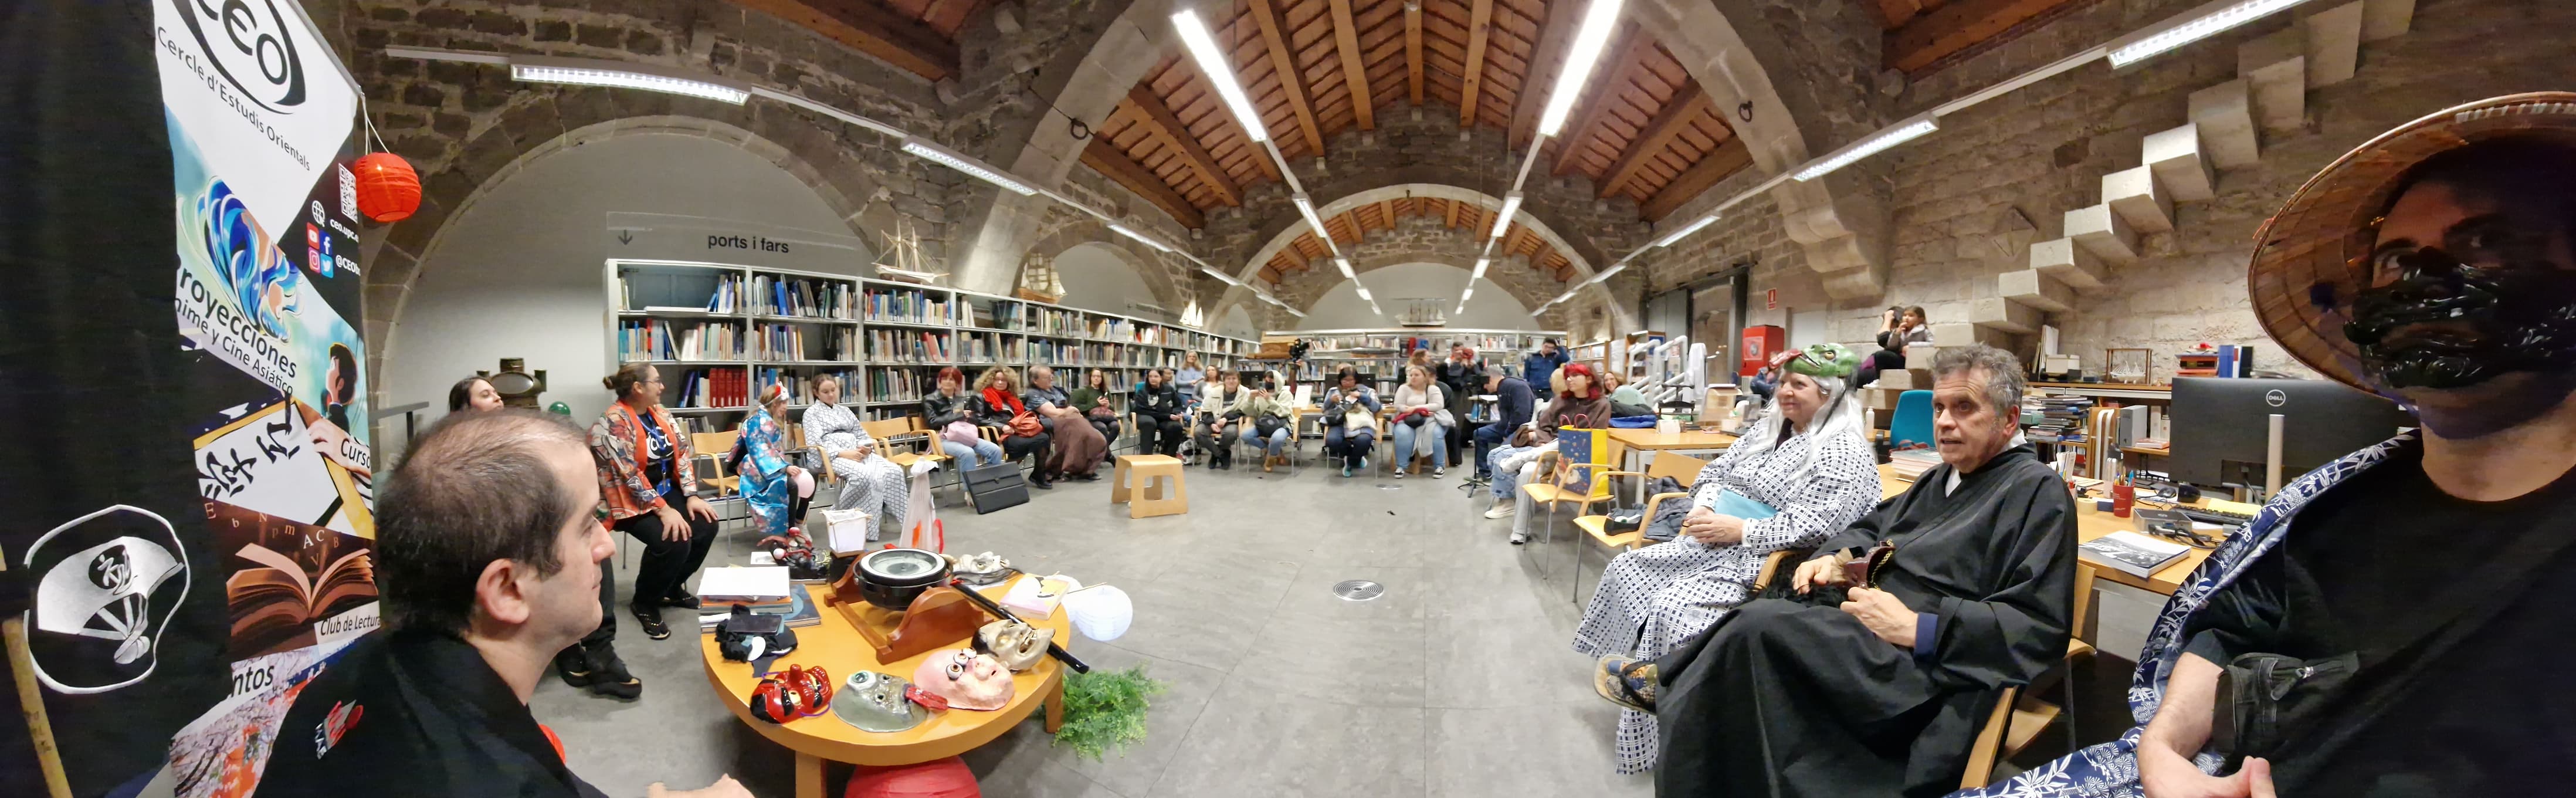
(1381, 351)
(719, 330)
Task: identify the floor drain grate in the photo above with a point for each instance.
(1359, 590)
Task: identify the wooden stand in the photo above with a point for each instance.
(938, 617)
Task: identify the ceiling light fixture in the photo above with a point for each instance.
(1503, 218)
(1364, 294)
(1131, 233)
(1463, 296)
(1306, 208)
(1598, 22)
(1221, 277)
(922, 148)
(1686, 230)
(1345, 265)
(1903, 132)
(2194, 25)
(1212, 63)
(1479, 274)
(1605, 274)
(542, 69)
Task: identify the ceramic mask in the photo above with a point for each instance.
(967, 679)
(872, 701)
(1018, 645)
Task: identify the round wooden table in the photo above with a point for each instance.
(841, 650)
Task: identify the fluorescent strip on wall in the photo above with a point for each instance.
(1685, 232)
(1306, 208)
(1503, 218)
(1598, 21)
(973, 168)
(1221, 277)
(1479, 274)
(1345, 265)
(2195, 25)
(1605, 274)
(1364, 294)
(1463, 296)
(1130, 233)
(540, 69)
(1212, 63)
(1903, 132)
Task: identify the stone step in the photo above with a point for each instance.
(2386, 19)
(2136, 195)
(1998, 313)
(1949, 334)
(2035, 288)
(2333, 44)
(2061, 259)
(2275, 70)
(2225, 115)
(2103, 233)
(2175, 157)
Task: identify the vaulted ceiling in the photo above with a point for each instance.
(1925, 35)
(1348, 227)
(919, 36)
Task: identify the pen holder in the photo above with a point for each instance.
(2123, 496)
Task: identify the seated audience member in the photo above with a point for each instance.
(1766, 382)
(1581, 404)
(2424, 577)
(475, 393)
(1798, 478)
(948, 406)
(1625, 400)
(998, 405)
(1350, 412)
(1095, 399)
(1421, 416)
(1461, 377)
(776, 489)
(1217, 419)
(1160, 414)
(1877, 688)
(1512, 407)
(489, 556)
(647, 471)
(1266, 421)
(869, 481)
(1078, 445)
(1189, 379)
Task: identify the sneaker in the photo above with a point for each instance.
(609, 675)
(1346, 470)
(1399, 473)
(1519, 538)
(1090, 477)
(651, 619)
(1626, 682)
(574, 666)
(680, 597)
(1437, 473)
(1041, 484)
(1504, 510)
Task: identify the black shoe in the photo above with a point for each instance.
(651, 619)
(609, 676)
(1042, 484)
(680, 597)
(574, 666)
(1090, 477)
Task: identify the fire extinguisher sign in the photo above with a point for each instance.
(1771, 299)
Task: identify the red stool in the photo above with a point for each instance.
(938, 778)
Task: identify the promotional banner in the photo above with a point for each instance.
(171, 621)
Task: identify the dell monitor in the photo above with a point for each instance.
(2222, 428)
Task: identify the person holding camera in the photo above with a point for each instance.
(1217, 419)
(1421, 415)
(1349, 411)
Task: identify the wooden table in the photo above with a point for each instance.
(2089, 524)
(842, 651)
(1632, 441)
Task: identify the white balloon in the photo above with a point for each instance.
(1100, 612)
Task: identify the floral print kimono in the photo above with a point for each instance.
(765, 483)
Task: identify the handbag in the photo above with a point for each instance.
(744, 635)
(1865, 569)
(2261, 695)
(961, 431)
(1025, 425)
(1268, 424)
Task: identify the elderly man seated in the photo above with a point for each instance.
(1876, 686)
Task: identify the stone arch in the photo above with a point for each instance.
(1159, 275)
(1535, 215)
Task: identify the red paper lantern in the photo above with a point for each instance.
(388, 189)
(938, 778)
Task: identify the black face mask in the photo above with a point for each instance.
(2514, 310)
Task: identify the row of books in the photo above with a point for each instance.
(660, 339)
(899, 385)
(916, 307)
(790, 342)
(910, 346)
(805, 297)
(718, 386)
(2059, 419)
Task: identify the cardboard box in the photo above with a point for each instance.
(1905, 380)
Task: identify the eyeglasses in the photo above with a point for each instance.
(2184, 536)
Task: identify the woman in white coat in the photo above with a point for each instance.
(869, 481)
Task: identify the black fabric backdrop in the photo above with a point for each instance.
(91, 371)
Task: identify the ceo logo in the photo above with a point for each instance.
(252, 44)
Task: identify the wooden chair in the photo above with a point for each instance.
(1681, 467)
(1988, 748)
(717, 447)
(2017, 719)
(1547, 490)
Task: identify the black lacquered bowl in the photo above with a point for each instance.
(892, 578)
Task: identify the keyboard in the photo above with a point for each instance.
(2220, 517)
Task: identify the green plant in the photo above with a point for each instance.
(1105, 708)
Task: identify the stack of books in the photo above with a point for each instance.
(1911, 463)
(2130, 553)
(2060, 418)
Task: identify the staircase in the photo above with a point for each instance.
(2224, 131)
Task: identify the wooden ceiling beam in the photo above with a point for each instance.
(1729, 156)
(1105, 158)
(1547, 58)
(1687, 104)
(1615, 77)
(1955, 26)
(1346, 39)
(1292, 81)
(1158, 120)
(1270, 274)
(1893, 14)
(907, 43)
(1480, 23)
(1413, 49)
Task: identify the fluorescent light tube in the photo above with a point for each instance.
(1503, 218)
(1901, 133)
(1212, 63)
(1479, 274)
(584, 72)
(1605, 274)
(1345, 265)
(1464, 295)
(973, 168)
(1364, 294)
(1306, 208)
(1686, 230)
(1598, 21)
(1125, 231)
(1222, 277)
(2195, 25)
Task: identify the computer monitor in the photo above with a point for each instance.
(2222, 429)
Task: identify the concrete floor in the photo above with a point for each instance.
(1457, 682)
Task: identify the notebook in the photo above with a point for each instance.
(2130, 552)
(751, 585)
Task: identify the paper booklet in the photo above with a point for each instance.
(744, 584)
(2131, 552)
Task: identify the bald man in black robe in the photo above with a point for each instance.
(1844, 690)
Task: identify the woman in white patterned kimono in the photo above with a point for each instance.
(868, 481)
(1800, 475)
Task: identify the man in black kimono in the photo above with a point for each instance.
(489, 564)
(1841, 689)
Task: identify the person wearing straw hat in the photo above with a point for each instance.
(2403, 594)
